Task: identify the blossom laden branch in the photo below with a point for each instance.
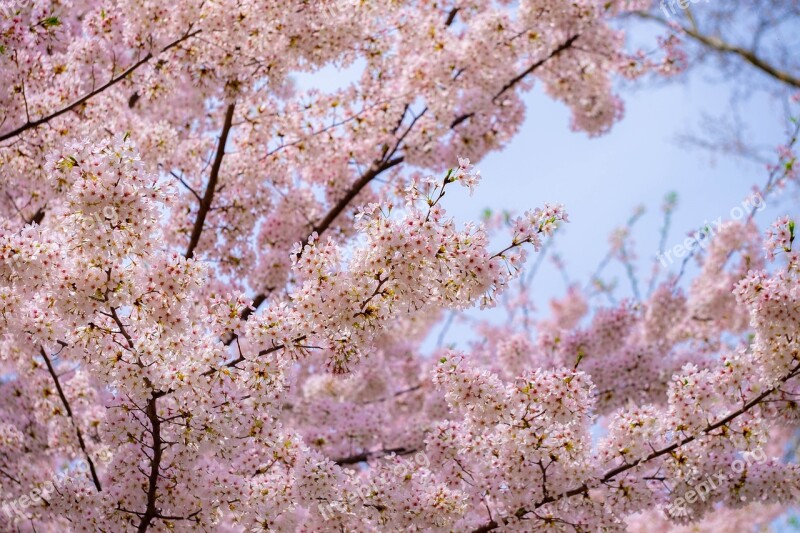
(614, 472)
(31, 124)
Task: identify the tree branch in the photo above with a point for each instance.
(113, 81)
(241, 358)
(492, 525)
(719, 45)
(335, 211)
(451, 17)
(208, 197)
(81, 443)
(151, 511)
(356, 188)
(365, 456)
(521, 76)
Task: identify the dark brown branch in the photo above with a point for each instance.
(113, 81)
(151, 411)
(133, 99)
(257, 301)
(521, 76)
(151, 511)
(208, 197)
(10, 477)
(122, 329)
(356, 188)
(81, 442)
(335, 211)
(395, 395)
(460, 119)
(451, 17)
(188, 187)
(365, 456)
(240, 359)
(38, 216)
(715, 43)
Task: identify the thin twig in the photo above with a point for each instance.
(78, 432)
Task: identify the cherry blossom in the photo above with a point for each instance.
(216, 286)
